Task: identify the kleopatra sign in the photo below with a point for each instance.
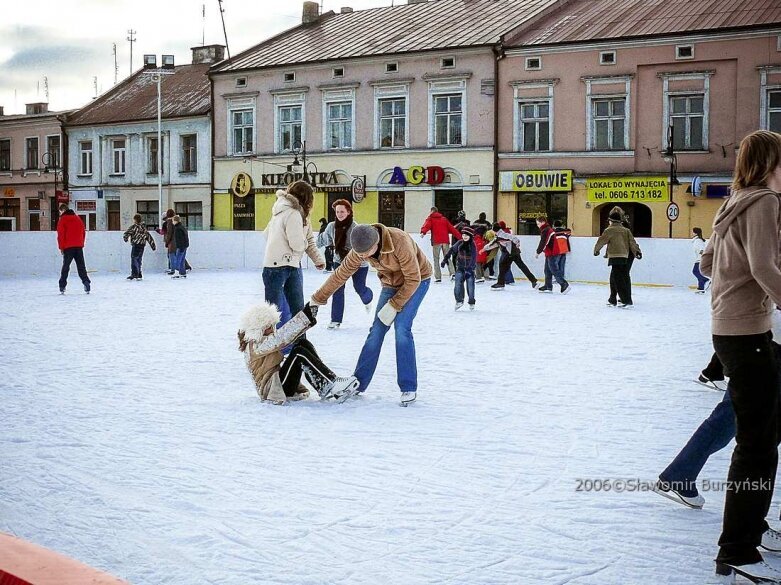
(536, 181)
(628, 189)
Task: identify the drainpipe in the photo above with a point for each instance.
(498, 55)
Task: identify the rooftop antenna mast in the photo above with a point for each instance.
(203, 29)
(132, 38)
(116, 67)
(224, 32)
(46, 87)
(95, 85)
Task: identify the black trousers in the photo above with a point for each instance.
(507, 259)
(68, 256)
(303, 359)
(753, 387)
(613, 290)
(329, 258)
(714, 370)
(620, 283)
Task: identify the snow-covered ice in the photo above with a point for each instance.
(132, 439)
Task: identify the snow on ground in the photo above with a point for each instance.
(132, 439)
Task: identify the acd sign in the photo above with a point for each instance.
(416, 175)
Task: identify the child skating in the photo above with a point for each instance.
(465, 254)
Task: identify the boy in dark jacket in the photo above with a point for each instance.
(181, 242)
(465, 254)
(138, 236)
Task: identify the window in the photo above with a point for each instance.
(290, 76)
(191, 214)
(392, 209)
(53, 149)
(337, 72)
(340, 124)
(684, 51)
(607, 58)
(151, 155)
(391, 67)
(687, 116)
(533, 63)
(447, 62)
(85, 157)
(773, 112)
(149, 212)
(32, 153)
(609, 120)
(189, 154)
(243, 130)
(5, 155)
(448, 119)
(534, 126)
(290, 125)
(34, 212)
(241, 82)
(118, 154)
(393, 122)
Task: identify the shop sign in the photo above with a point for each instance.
(536, 181)
(415, 175)
(241, 185)
(61, 196)
(285, 179)
(628, 189)
(358, 189)
(86, 206)
(9, 192)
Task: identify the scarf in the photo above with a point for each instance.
(340, 236)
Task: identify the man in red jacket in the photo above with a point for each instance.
(70, 239)
(440, 228)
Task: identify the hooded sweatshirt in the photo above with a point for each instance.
(289, 235)
(742, 259)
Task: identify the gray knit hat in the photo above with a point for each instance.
(363, 237)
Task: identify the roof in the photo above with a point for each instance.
(32, 117)
(186, 92)
(423, 26)
(597, 20)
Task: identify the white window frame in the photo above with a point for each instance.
(241, 82)
(442, 62)
(114, 150)
(337, 72)
(591, 95)
(288, 100)
(528, 67)
(59, 149)
(602, 54)
(764, 92)
(678, 48)
(545, 93)
(85, 166)
(192, 156)
(289, 77)
(704, 76)
(390, 92)
(334, 96)
(27, 156)
(440, 88)
(235, 105)
(392, 67)
(520, 104)
(10, 156)
(148, 151)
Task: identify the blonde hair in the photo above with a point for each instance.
(758, 157)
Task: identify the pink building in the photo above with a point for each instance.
(589, 94)
(31, 155)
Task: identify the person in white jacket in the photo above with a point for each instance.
(288, 237)
(698, 245)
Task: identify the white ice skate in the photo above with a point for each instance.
(408, 398)
(471, 307)
(759, 572)
(459, 305)
(669, 492)
(368, 307)
(771, 540)
(334, 325)
(343, 388)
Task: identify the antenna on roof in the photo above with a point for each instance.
(46, 87)
(116, 67)
(203, 29)
(131, 37)
(95, 86)
(224, 32)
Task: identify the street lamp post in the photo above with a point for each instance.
(300, 148)
(157, 77)
(52, 165)
(669, 156)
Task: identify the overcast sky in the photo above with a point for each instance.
(69, 43)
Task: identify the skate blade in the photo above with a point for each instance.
(729, 576)
(711, 386)
(674, 497)
(352, 390)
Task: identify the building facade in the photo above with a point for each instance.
(113, 158)
(31, 174)
(603, 111)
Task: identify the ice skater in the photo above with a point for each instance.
(465, 253)
(71, 235)
(698, 246)
(621, 246)
(138, 236)
(278, 378)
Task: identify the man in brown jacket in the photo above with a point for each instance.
(621, 246)
(405, 274)
(742, 257)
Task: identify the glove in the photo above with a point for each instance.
(311, 313)
(387, 314)
(596, 253)
(443, 263)
(639, 255)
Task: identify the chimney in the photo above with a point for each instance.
(168, 62)
(346, 10)
(1, 111)
(208, 54)
(36, 108)
(150, 61)
(311, 13)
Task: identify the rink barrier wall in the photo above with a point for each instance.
(665, 262)
(24, 563)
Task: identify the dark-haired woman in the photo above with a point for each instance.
(698, 245)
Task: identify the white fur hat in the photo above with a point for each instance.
(259, 318)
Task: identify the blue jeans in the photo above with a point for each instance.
(136, 256)
(179, 260)
(554, 268)
(406, 364)
(284, 287)
(701, 280)
(468, 279)
(359, 284)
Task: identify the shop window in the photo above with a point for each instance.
(533, 205)
(10, 207)
(149, 212)
(191, 214)
(449, 202)
(392, 209)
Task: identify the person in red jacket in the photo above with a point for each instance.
(482, 255)
(440, 228)
(70, 239)
(546, 246)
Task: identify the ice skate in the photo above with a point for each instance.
(472, 307)
(301, 393)
(535, 284)
(626, 306)
(459, 305)
(545, 289)
(408, 398)
(565, 288)
(759, 572)
(86, 287)
(497, 286)
(771, 540)
(479, 280)
(664, 489)
(368, 307)
(334, 325)
(344, 388)
(62, 291)
(712, 384)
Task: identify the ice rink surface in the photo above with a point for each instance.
(131, 438)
